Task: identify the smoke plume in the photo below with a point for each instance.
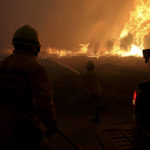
(64, 24)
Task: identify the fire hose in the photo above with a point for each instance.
(68, 67)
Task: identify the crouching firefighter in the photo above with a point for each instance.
(25, 95)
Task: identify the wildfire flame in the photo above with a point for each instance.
(61, 53)
(135, 30)
(130, 41)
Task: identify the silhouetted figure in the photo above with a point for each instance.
(93, 90)
(25, 95)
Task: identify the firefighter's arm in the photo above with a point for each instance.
(43, 99)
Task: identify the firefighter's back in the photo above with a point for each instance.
(15, 75)
(17, 110)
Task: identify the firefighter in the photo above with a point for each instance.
(93, 91)
(26, 97)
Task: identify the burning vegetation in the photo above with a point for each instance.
(134, 37)
(103, 36)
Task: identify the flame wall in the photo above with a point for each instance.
(64, 24)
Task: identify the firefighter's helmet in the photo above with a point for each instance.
(26, 35)
(90, 65)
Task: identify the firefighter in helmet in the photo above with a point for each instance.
(26, 95)
(93, 90)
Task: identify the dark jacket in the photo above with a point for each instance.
(25, 95)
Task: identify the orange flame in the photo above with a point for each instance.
(130, 41)
(137, 27)
(84, 47)
(61, 53)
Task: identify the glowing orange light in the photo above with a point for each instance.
(134, 97)
(138, 26)
(84, 47)
(130, 41)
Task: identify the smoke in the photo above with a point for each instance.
(64, 24)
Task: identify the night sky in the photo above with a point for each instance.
(64, 24)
